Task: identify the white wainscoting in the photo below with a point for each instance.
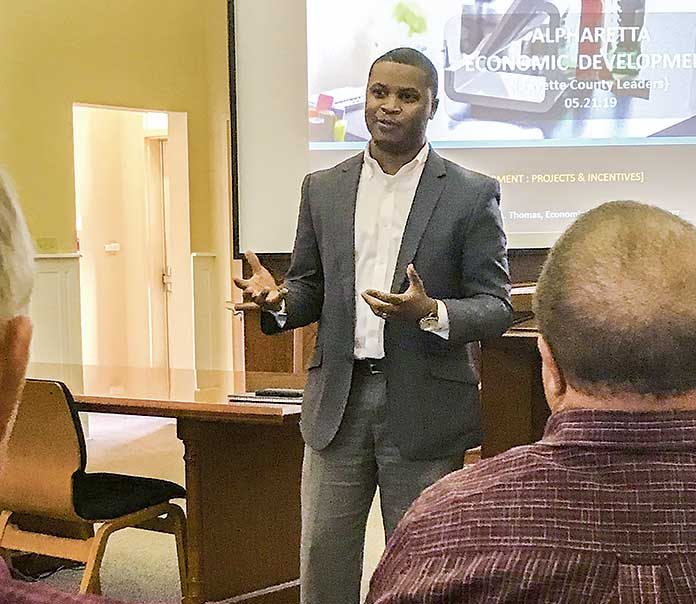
(56, 347)
(56, 350)
(55, 311)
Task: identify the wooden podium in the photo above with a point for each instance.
(512, 393)
(277, 361)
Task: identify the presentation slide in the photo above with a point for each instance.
(568, 103)
(520, 73)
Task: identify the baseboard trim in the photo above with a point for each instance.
(266, 591)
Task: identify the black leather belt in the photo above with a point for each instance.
(371, 366)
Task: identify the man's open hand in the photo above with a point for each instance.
(411, 306)
(260, 287)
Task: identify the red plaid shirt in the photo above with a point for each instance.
(601, 510)
(20, 592)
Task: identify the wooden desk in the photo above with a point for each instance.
(512, 393)
(243, 466)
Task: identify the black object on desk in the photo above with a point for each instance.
(282, 396)
(281, 392)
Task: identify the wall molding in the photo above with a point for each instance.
(61, 256)
(56, 350)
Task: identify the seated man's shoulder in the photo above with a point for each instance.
(489, 478)
(472, 500)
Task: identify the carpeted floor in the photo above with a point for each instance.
(141, 565)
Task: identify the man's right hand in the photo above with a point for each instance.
(260, 287)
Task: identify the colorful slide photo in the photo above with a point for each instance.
(514, 73)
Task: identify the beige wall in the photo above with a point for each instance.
(142, 54)
(168, 55)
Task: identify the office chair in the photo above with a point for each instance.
(44, 479)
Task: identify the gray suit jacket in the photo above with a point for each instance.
(454, 237)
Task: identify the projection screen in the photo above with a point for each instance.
(568, 103)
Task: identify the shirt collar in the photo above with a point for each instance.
(660, 430)
(373, 167)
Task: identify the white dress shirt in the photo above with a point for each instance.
(382, 207)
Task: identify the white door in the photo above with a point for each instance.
(133, 229)
(180, 315)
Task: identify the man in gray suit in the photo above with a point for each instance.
(400, 256)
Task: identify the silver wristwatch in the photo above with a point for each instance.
(430, 322)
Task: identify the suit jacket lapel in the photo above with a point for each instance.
(428, 193)
(344, 238)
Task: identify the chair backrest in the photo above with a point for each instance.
(46, 447)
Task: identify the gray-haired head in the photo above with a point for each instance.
(16, 254)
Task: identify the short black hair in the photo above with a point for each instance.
(410, 56)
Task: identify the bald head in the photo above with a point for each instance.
(616, 301)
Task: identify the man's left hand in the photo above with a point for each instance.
(411, 306)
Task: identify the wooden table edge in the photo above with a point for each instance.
(230, 412)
